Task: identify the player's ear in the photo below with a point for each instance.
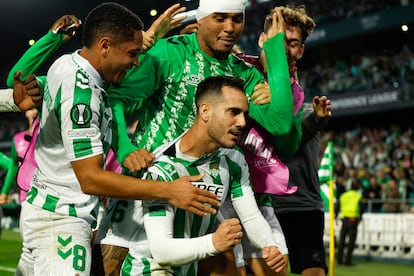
(300, 52)
(262, 39)
(204, 111)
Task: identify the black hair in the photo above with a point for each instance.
(110, 19)
(214, 85)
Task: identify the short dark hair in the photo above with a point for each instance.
(110, 19)
(214, 85)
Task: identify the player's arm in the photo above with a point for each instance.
(166, 22)
(258, 231)
(94, 180)
(277, 116)
(285, 144)
(140, 83)
(6, 163)
(257, 228)
(47, 45)
(289, 143)
(167, 250)
(6, 101)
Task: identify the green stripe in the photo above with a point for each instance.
(50, 203)
(192, 270)
(166, 173)
(82, 147)
(212, 222)
(82, 95)
(127, 265)
(57, 105)
(264, 200)
(179, 223)
(72, 210)
(236, 187)
(196, 226)
(197, 220)
(31, 194)
(176, 270)
(157, 211)
(147, 267)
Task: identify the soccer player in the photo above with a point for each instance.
(304, 208)
(170, 73)
(175, 239)
(75, 135)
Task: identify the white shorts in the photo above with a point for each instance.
(119, 222)
(53, 244)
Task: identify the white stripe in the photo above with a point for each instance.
(9, 269)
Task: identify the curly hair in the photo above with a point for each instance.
(293, 16)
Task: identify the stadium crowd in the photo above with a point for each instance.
(381, 159)
(387, 68)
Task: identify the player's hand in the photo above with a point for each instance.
(68, 25)
(278, 23)
(227, 235)
(162, 25)
(322, 106)
(186, 196)
(138, 160)
(261, 94)
(3, 199)
(26, 94)
(273, 258)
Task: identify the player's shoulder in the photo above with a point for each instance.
(244, 60)
(173, 49)
(175, 42)
(234, 153)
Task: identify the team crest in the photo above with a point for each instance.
(214, 171)
(81, 114)
(194, 79)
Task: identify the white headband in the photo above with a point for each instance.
(207, 7)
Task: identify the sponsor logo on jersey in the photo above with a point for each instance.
(81, 133)
(216, 189)
(81, 114)
(194, 79)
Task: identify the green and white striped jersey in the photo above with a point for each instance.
(226, 175)
(75, 124)
(162, 88)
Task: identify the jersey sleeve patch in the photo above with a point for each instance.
(81, 133)
(81, 114)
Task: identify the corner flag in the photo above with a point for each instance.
(325, 174)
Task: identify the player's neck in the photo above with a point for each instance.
(197, 143)
(262, 61)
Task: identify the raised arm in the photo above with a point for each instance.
(166, 22)
(277, 116)
(6, 163)
(37, 54)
